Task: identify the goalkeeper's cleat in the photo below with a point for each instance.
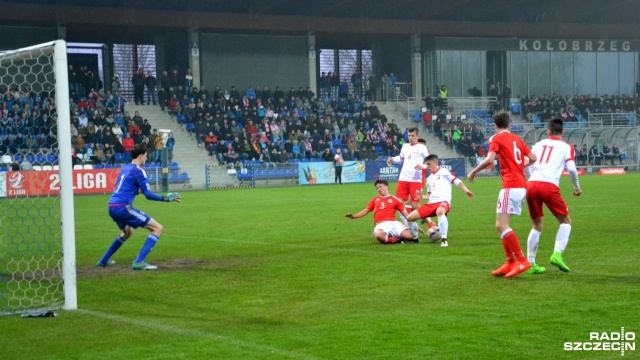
(518, 268)
(109, 263)
(143, 265)
(504, 268)
(536, 269)
(556, 259)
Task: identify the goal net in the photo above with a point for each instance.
(36, 224)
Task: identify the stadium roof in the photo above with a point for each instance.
(331, 20)
(514, 11)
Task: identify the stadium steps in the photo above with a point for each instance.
(435, 145)
(189, 157)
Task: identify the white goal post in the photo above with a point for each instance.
(37, 226)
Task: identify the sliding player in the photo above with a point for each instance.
(384, 206)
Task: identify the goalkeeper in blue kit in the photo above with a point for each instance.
(132, 180)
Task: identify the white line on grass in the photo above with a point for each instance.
(199, 334)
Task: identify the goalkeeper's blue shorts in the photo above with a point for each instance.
(126, 215)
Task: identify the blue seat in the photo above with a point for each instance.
(97, 166)
(191, 127)
(40, 159)
(108, 166)
(184, 177)
(174, 166)
(119, 157)
(244, 174)
(17, 158)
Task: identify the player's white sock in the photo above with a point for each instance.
(443, 224)
(412, 224)
(414, 229)
(532, 245)
(562, 237)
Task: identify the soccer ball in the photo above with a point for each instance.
(434, 233)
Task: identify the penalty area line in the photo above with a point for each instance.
(198, 334)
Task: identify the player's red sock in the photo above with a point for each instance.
(511, 239)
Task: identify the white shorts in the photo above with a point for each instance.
(392, 228)
(510, 201)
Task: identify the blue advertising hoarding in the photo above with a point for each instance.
(324, 172)
(361, 171)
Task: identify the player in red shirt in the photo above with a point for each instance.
(555, 156)
(384, 206)
(510, 150)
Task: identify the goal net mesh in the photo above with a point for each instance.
(30, 225)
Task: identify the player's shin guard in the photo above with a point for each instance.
(532, 245)
(443, 224)
(115, 245)
(146, 248)
(562, 237)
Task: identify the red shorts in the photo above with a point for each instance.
(540, 192)
(407, 189)
(430, 209)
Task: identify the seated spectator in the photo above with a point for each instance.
(285, 156)
(210, 143)
(232, 156)
(109, 154)
(128, 143)
(98, 155)
(594, 156)
(606, 153)
(221, 151)
(615, 154)
(25, 165)
(582, 154)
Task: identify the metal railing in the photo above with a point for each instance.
(462, 104)
(611, 120)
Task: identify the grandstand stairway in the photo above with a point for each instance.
(435, 145)
(186, 153)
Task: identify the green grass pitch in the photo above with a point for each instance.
(282, 274)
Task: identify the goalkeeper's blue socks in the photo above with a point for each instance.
(146, 248)
(115, 245)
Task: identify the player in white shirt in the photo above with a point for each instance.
(554, 156)
(439, 185)
(412, 154)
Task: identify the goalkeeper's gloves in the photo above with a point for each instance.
(173, 197)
